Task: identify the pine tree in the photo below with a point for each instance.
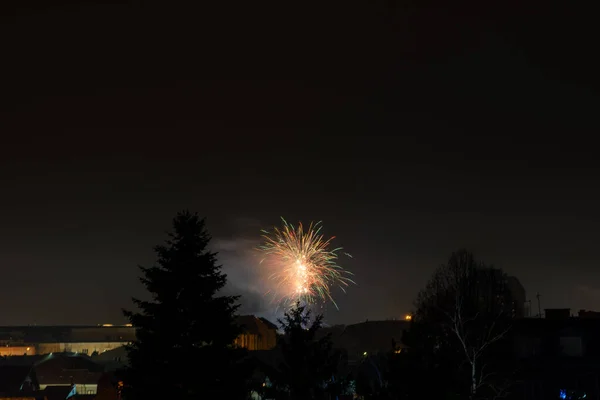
(309, 363)
(185, 334)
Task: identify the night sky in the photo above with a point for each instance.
(411, 131)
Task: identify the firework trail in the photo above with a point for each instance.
(305, 268)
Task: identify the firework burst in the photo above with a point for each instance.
(305, 268)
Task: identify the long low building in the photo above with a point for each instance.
(32, 340)
(259, 334)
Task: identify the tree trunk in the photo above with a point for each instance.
(473, 379)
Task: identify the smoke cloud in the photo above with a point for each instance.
(241, 262)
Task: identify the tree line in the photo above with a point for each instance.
(455, 347)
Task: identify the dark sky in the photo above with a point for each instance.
(410, 129)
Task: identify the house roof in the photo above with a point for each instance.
(113, 359)
(56, 392)
(66, 368)
(269, 324)
(12, 377)
(28, 361)
(249, 323)
(253, 325)
(108, 355)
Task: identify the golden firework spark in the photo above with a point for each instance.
(305, 268)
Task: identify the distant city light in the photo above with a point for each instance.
(408, 317)
(365, 354)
